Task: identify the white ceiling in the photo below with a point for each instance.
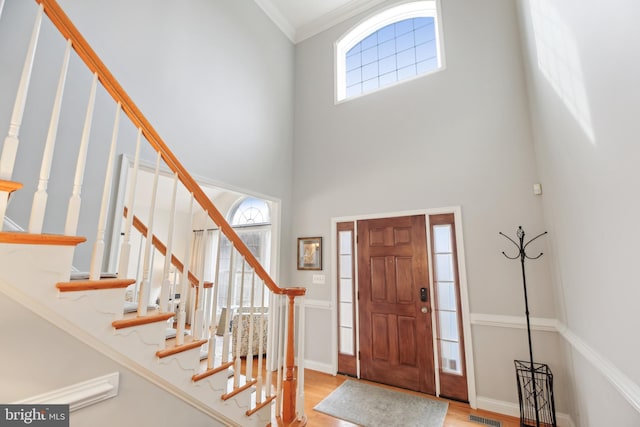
(300, 19)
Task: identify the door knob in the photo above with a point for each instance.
(424, 309)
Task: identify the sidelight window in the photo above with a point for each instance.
(447, 307)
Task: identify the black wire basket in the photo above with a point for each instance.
(535, 393)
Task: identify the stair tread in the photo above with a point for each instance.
(237, 390)
(188, 345)
(20, 237)
(141, 320)
(9, 186)
(209, 372)
(89, 285)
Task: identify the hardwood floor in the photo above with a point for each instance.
(318, 385)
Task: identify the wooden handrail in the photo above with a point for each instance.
(162, 248)
(111, 85)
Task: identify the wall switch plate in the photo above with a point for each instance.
(537, 189)
(317, 279)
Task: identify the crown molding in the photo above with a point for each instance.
(278, 18)
(324, 22)
(334, 17)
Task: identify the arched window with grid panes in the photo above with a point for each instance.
(394, 45)
(251, 219)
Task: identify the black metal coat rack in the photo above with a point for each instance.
(522, 255)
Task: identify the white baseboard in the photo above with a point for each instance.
(320, 367)
(513, 410)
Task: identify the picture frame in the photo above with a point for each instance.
(309, 253)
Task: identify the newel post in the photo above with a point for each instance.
(289, 386)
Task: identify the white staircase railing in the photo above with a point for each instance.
(252, 297)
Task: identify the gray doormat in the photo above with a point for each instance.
(373, 406)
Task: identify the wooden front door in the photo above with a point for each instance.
(396, 344)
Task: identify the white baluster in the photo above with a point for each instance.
(214, 310)
(10, 148)
(272, 356)
(227, 323)
(73, 213)
(98, 247)
(139, 266)
(125, 247)
(198, 316)
(261, 349)
(300, 376)
(40, 197)
(11, 142)
(236, 374)
(282, 327)
(249, 370)
(166, 282)
(185, 287)
(145, 289)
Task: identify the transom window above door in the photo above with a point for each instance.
(397, 44)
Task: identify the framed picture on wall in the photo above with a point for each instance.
(310, 253)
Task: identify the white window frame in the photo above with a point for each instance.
(397, 13)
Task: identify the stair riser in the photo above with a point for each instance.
(106, 301)
(189, 361)
(35, 269)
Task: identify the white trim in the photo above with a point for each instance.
(333, 282)
(79, 395)
(464, 294)
(319, 366)
(278, 18)
(513, 410)
(318, 304)
(94, 342)
(464, 303)
(515, 322)
(432, 298)
(334, 17)
(625, 385)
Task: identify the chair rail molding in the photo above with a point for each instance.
(79, 395)
(625, 385)
(515, 322)
(629, 390)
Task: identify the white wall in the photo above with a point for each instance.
(583, 72)
(38, 358)
(457, 137)
(214, 78)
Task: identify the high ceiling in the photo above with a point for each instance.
(300, 19)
